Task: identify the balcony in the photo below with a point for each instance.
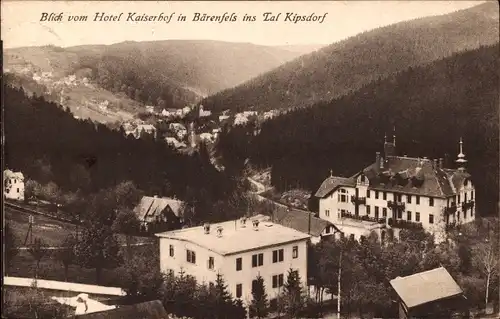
(467, 205)
(396, 205)
(358, 200)
(451, 210)
(364, 217)
(405, 224)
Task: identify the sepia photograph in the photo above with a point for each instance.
(250, 159)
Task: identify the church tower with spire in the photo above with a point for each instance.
(461, 161)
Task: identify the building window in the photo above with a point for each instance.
(239, 289)
(342, 198)
(327, 213)
(471, 195)
(190, 256)
(239, 264)
(399, 197)
(171, 250)
(384, 195)
(417, 198)
(295, 249)
(277, 255)
(376, 194)
(327, 230)
(376, 212)
(384, 212)
(211, 263)
(367, 210)
(417, 216)
(408, 215)
(400, 214)
(257, 260)
(18, 190)
(278, 281)
(408, 199)
(431, 219)
(431, 201)
(368, 194)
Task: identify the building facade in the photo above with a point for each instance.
(13, 185)
(163, 213)
(401, 192)
(240, 251)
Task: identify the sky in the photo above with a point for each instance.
(21, 25)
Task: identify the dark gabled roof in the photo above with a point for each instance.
(332, 183)
(457, 178)
(153, 206)
(299, 220)
(426, 287)
(406, 175)
(145, 310)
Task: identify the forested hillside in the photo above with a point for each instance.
(49, 146)
(344, 67)
(431, 108)
(164, 73)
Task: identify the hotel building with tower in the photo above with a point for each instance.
(397, 192)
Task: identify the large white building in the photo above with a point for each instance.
(239, 250)
(399, 192)
(13, 185)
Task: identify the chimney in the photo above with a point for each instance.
(206, 227)
(243, 221)
(377, 160)
(255, 224)
(389, 149)
(441, 166)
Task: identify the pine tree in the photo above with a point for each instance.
(223, 298)
(259, 308)
(293, 297)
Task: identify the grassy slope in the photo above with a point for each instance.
(53, 233)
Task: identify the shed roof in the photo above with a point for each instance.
(426, 287)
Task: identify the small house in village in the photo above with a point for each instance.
(172, 141)
(142, 129)
(179, 129)
(159, 213)
(429, 294)
(204, 113)
(13, 185)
